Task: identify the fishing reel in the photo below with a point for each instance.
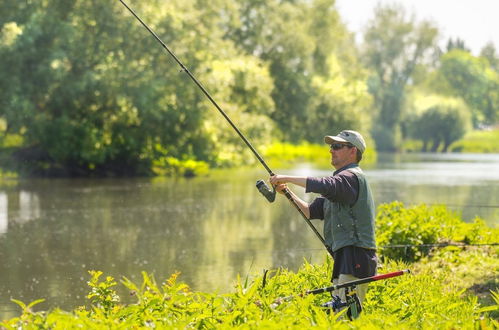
(265, 190)
(352, 303)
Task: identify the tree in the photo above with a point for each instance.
(435, 119)
(93, 93)
(393, 46)
(298, 40)
(472, 79)
(440, 124)
(457, 44)
(338, 102)
(490, 53)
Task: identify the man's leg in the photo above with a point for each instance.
(360, 289)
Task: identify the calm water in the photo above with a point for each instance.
(210, 229)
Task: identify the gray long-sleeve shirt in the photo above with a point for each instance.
(342, 187)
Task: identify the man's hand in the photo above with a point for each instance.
(280, 179)
(277, 180)
(279, 183)
(281, 187)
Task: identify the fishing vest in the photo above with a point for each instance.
(345, 224)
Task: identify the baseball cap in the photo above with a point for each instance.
(349, 136)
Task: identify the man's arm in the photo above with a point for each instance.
(297, 180)
(342, 188)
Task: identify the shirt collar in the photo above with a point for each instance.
(346, 167)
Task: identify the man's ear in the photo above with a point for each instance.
(353, 152)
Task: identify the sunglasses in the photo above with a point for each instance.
(338, 146)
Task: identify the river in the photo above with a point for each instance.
(53, 231)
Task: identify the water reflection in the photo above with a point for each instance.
(29, 206)
(210, 229)
(4, 218)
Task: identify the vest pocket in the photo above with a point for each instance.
(345, 224)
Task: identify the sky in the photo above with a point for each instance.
(474, 21)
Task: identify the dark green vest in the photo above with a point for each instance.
(346, 225)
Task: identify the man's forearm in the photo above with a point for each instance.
(297, 180)
(301, 204)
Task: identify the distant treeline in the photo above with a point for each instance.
(85, 90)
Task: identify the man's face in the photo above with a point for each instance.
(342, 154)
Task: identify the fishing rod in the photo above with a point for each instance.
(358, 282)
(261, 186)
(352, 302)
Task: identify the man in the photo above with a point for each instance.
(347, 208)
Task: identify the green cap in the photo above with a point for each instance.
(349, 136)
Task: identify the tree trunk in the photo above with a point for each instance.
(436, 144)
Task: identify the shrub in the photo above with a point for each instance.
(440, 124)
(422, 224)
(171, 166)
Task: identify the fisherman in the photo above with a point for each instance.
(346, 205)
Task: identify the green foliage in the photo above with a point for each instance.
(486, 141)
(398, 225)
(285, 154)
(438, 121)
(489, 52)
(428, 299)
(432, 297)
(99, 94)
(102, 295)
(171, 166)
(90, 93)
(338, 103)
(473, 79)
(456, 44)
(318, 82)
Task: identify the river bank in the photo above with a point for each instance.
(451, 287)
(278, 154)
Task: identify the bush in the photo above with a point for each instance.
(421, 224)
(171, 166)
(440, 125)
(435, 120)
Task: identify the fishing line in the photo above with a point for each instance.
(395, 246)
(461, 205)
(391, 246)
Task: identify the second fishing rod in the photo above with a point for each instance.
(262, 187)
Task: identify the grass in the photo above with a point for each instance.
(486, 141)
(478, 142)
